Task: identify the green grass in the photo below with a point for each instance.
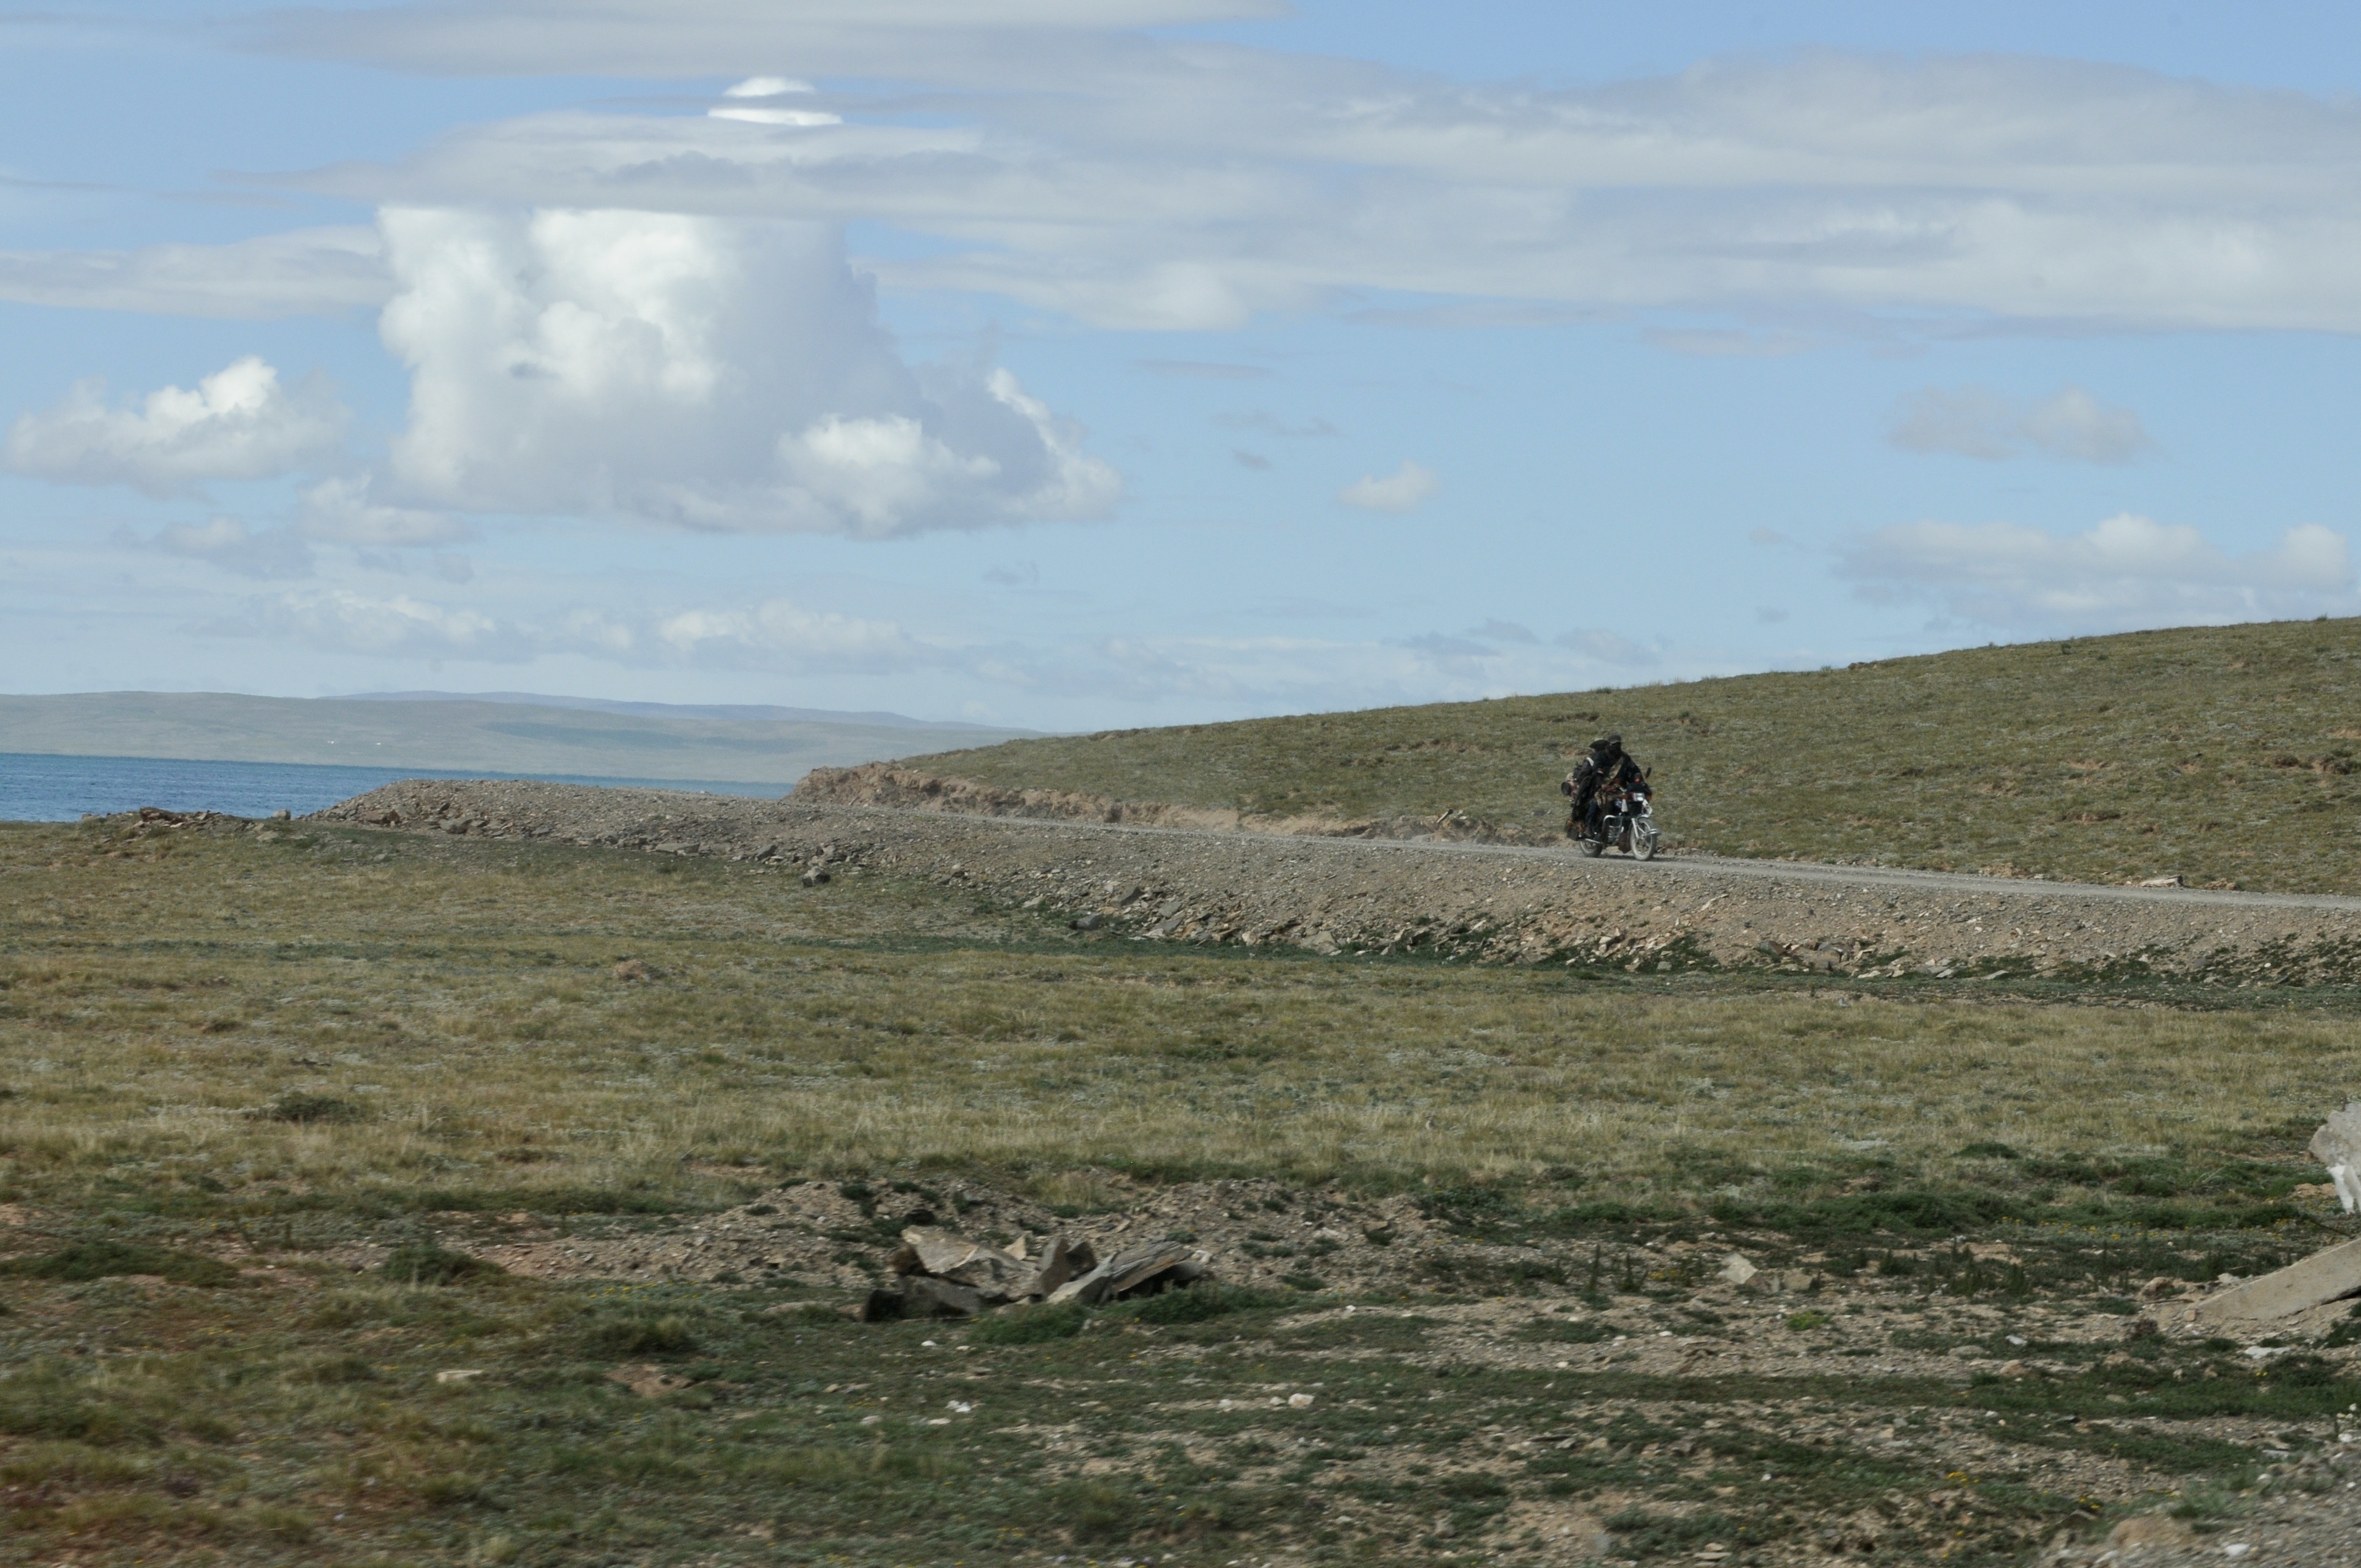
(2225, 755)
(176, 1012)
(160, 1014)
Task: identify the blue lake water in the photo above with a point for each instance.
(60, 789)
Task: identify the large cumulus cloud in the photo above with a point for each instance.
(706, 372)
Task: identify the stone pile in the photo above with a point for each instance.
(940, 1275)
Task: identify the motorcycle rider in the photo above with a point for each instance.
(1603, 771)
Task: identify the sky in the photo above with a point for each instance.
(1078, 364)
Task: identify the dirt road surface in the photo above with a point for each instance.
(1468, 901)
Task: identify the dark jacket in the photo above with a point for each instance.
(1599, 774)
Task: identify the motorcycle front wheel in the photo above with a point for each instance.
(1643, 841)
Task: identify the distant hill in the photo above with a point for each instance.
(2222, 754)
(508, 733)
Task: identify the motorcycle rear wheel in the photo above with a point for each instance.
(1594, 848)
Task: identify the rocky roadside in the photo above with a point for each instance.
(1459, 900)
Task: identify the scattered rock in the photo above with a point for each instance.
(633, 969)
(459, 1374)
(2142, 1531)
(1737, 1270)
(648, 1382)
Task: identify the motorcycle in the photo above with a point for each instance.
(1625, 822)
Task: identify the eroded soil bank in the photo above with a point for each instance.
(1490, 903)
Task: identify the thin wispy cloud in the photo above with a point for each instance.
(2124, 572)
(1403, 491)
(1976, 422)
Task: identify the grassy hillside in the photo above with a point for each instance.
(2222, 754)
(499, 737)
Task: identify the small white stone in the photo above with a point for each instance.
(1300, 1401)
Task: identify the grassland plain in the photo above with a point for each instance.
(232, 1063)
(2225, 755)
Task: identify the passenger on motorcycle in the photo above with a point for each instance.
(1603, 771)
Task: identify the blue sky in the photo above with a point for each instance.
(1080, 363)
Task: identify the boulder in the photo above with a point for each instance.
(1140, 1271)
(994, 1276)
(2337, 1146)
(926, 1296)
(1059, 1262)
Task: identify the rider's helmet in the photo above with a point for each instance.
(1611, 744)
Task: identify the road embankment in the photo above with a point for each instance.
(1471, 901)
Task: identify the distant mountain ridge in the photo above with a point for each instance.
(512, 734)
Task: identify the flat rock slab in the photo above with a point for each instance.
(2323, 1277)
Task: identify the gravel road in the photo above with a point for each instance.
(1487, 902)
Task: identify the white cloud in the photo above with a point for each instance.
(1140, 183)
(238, 424)
(766, 87)
(2076, 425)
(2129, 571)
(753, 101)
(227, 543)
(342, 510)
(341, 620)
(1976, 422)
(1400, 491)
(781, 632)
(306, 272)
(699, 371)
(775, 636)
(1610, 648)
(884, 39)
(1270, 424)
(1278, 675)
